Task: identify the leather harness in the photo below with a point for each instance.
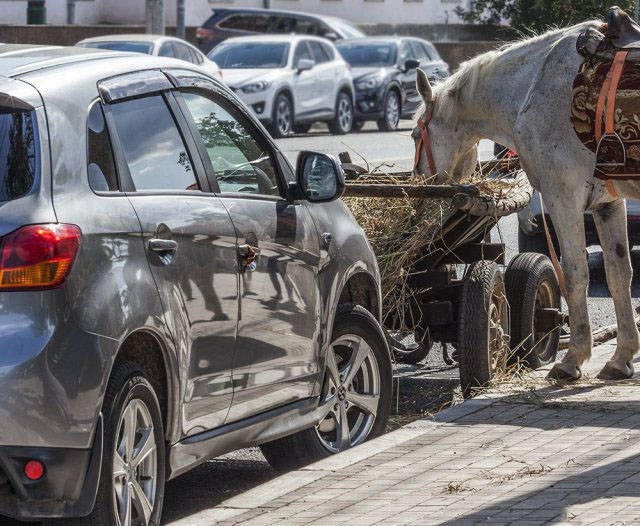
(424, 142)
(607, 101)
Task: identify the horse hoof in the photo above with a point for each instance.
(609, 372)
(560, 373)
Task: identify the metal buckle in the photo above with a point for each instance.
(615, 136)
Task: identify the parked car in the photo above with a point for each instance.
(171, 288)
(384, 73)
(532, 238)
(157, 45)
(289, 81)
(233, 22)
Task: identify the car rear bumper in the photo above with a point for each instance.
(68, 487)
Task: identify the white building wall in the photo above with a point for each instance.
(197, 11)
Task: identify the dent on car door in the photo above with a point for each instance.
(276, 360)
(190, 244)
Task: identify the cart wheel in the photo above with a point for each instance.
(533, 294)
(483, 324)
(417, 352)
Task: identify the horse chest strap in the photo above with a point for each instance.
(425, 143)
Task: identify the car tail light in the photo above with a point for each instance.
(34, 470)
(203, 34)
(37, 256)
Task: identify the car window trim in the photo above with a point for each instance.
(220, 98)
(125, 179)
(118, 191)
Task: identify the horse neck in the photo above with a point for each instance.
(491, 101)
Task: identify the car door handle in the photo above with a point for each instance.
(163, 245)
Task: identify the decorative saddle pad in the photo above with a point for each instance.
(586, 90)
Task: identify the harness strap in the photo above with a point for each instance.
(425, 143)
(553, 256)
(608, 95)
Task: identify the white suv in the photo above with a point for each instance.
(289, 81)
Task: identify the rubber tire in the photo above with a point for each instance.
(304, 447)
(537, 243)
(473, 321)
(382, 123)
(420, 353)
(523, 277)
(127, 381)
(357, 125)
(273, 128)
(302, 128)
(334, 124)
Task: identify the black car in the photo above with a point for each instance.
(384, 75)
(227, 23)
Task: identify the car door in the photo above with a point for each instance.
(276, 359)
(305, 91)
(189, 240)
(327, 73)
(408, 77)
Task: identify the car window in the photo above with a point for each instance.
(167, 50)
(18, 152)
(432, 52)
(248, 55)
(101, 166)
(302, 51)
(406, 52)
(306, 26)
(136, 47)
(196, 57)
(319, 53)
(254, 23)
(420, 52)
(282, 24)
(152, 146)
(240, 158)
(328, 50)
(183, 52)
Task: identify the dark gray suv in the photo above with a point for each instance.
(170, 289)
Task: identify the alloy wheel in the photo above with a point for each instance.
(392, 110)
(283, 116)
(351, 395)
(135, 466)
(345, 113)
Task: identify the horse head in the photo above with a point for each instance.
(446, 151)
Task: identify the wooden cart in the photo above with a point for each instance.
(492, 316)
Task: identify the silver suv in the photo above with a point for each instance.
(170, 289)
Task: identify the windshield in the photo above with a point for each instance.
(346, 29)
(136, 47)
(251, 55)
(368, 54)
(18, 153)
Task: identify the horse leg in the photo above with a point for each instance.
(571, 237)
(611, 222)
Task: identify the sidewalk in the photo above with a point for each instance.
(528, 453)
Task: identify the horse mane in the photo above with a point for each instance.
(452, 90)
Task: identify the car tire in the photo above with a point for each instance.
(536, 242)
(131, 393)
(531, 284)
(343, 118)
(370, 386)
(282, 116)
(391, 118)
(483, 325)
(302, 128)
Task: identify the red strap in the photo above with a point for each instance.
(425, 143)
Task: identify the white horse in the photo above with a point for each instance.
(520, 96)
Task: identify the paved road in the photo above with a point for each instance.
(422, 388)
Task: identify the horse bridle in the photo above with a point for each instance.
(424, 142)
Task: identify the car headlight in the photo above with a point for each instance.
(369, 83)
(255, 87)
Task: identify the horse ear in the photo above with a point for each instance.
(424, 86)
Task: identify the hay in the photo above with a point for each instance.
(403, 230)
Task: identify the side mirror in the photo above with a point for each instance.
(410, 64)
(305, 64)
(320, 177)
